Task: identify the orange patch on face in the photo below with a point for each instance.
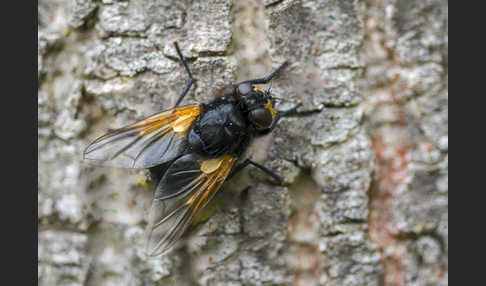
(269, 106)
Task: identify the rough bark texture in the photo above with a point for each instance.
(366, 158)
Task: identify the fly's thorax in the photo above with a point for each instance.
(218, 130)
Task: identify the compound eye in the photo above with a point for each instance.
(244, 88)
(261, 118)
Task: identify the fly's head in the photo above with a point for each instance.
(257, 105)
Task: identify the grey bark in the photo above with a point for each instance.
(366, 158)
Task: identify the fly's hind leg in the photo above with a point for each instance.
(191, 79)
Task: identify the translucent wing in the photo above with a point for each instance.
(187, 186)
(154, 140)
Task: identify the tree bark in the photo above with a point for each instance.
(365, 158)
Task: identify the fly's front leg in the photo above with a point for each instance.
(269, 77)
(279, 116)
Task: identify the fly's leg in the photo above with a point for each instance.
(278, 179)
(278, 117)
(191, 79)
(269, 77)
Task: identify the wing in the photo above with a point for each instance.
(154, 140)
(187, 186)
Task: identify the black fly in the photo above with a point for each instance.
(199, 143)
